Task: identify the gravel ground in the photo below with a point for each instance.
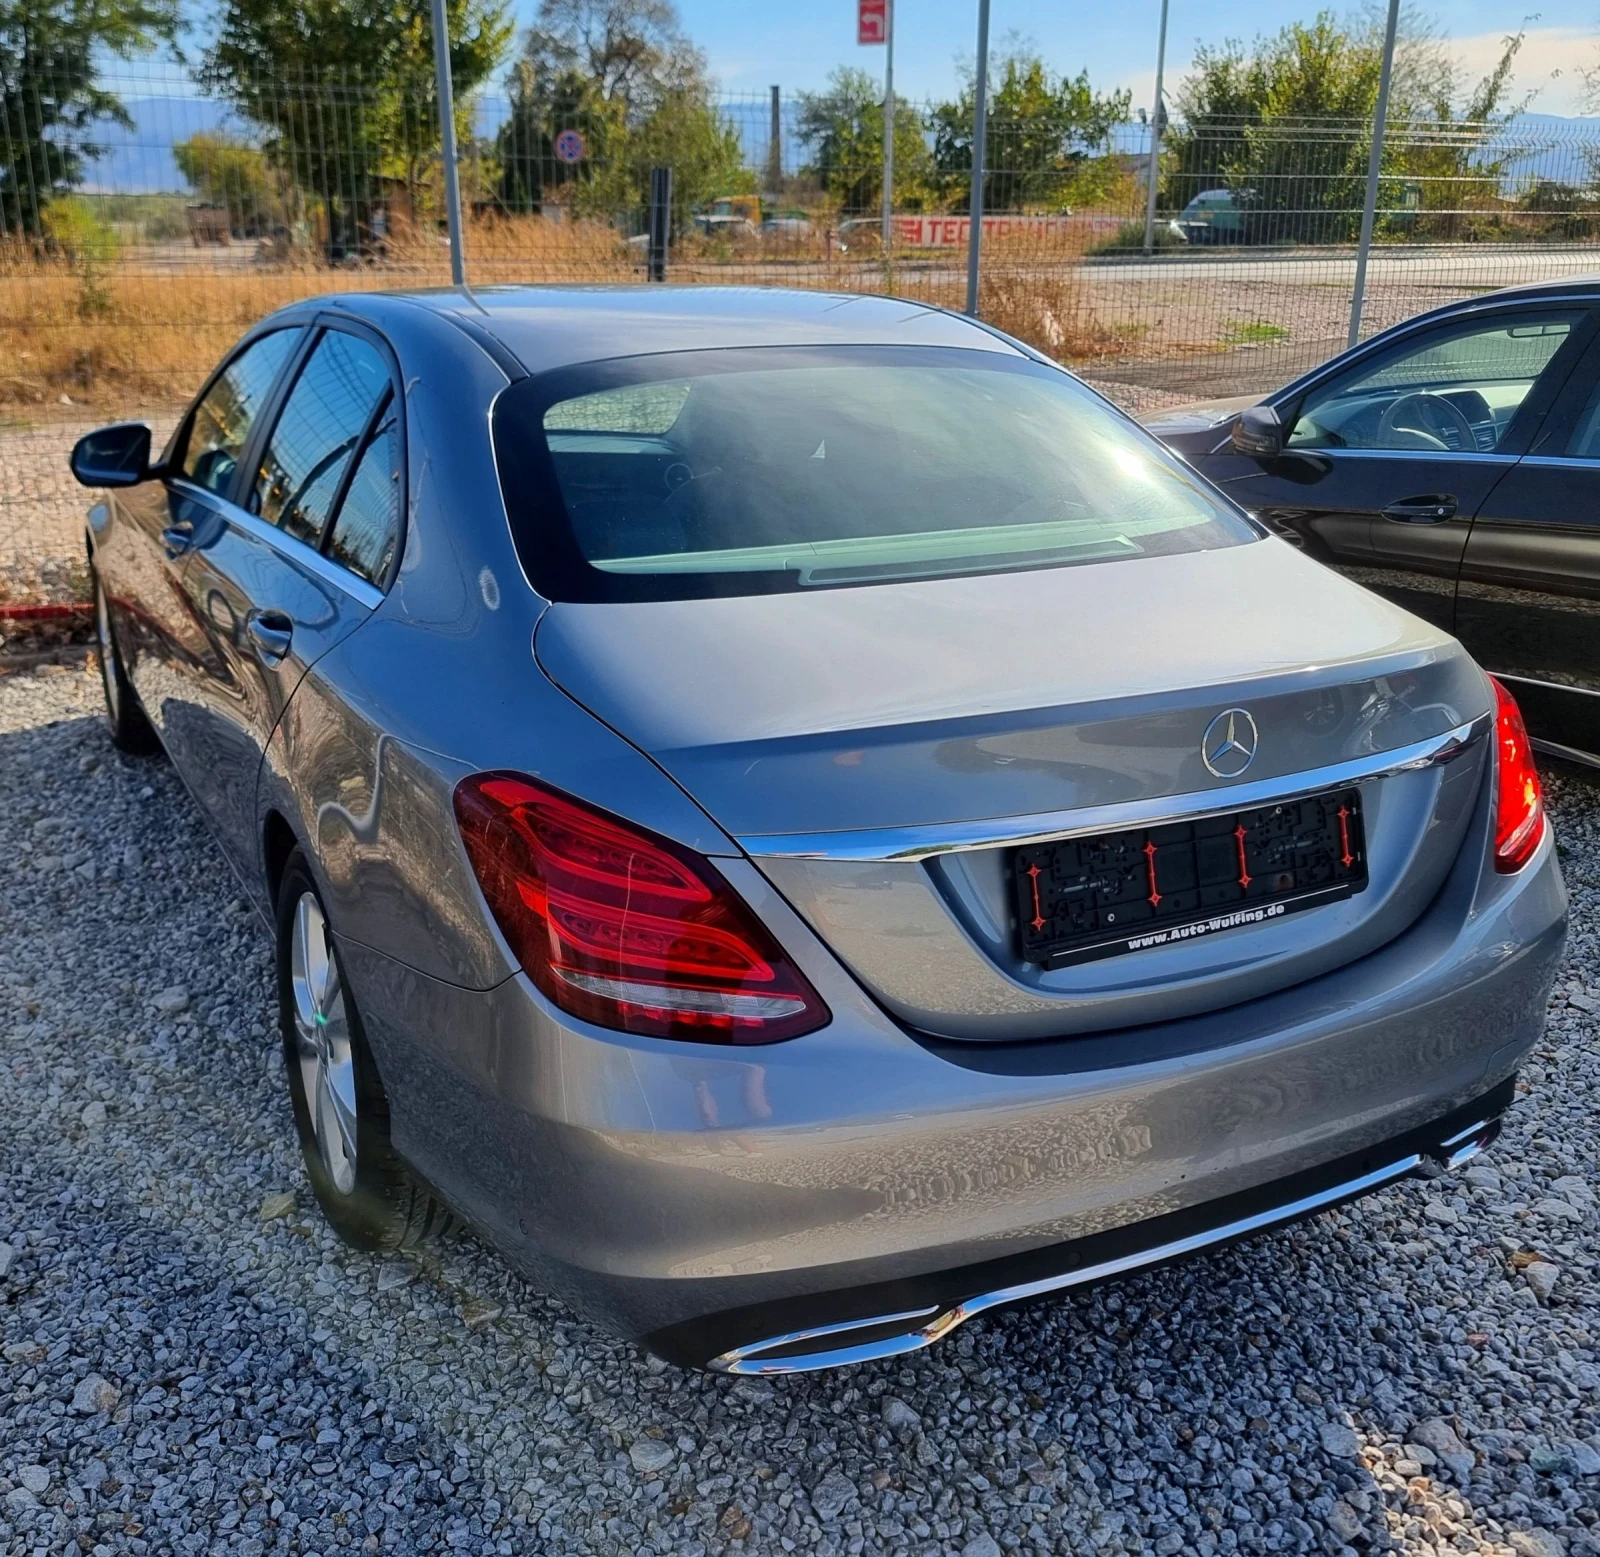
(190, 1363)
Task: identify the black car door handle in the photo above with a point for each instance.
(271, 632)
(177, 538)
(1434, 509)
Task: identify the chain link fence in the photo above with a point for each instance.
(134, 249)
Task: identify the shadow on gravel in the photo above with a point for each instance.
(274, 1390)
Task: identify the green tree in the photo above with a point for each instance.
(1286, 124)
(1046, 137)
(51, 93)
(227, 172)
(622, 74)
(344, 89)
(843, 129)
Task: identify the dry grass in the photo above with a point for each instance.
(147, 328)
(143, 330)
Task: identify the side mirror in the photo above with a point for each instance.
(1258, 433)
(117, 456)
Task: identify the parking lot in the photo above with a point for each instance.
(190, 1362)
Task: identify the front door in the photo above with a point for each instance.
(267, 597)
(157, 523)
(1529, 603)
(1388, 457)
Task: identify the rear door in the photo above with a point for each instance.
(1529, 602)
(1390, 455)
(299, 560)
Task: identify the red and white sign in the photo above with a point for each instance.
(953, 232)
(872, 21)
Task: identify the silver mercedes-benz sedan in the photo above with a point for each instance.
(797, 819)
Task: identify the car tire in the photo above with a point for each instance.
(367, 1192)
(126, 720)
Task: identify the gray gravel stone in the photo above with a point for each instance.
(1541, 1276)
(7, 1255)
(1438, 1436)
(235, 1385)
(832, 1494)
(34, 1477)
(984, 1544)
(1339, 1438)
(94, 1395)
(650, 1455)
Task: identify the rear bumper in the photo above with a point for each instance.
(708, 1200)
(893, 1318)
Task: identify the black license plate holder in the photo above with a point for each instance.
(1105, 894)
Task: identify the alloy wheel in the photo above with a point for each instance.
(322, 1043)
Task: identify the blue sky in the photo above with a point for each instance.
(754, 43)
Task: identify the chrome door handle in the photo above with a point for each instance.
(1434, 509)
(271, 632)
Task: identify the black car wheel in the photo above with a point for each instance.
(125, 719)
(341, 1111)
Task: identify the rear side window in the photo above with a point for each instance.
(225, 415)
(368, 525)
(769, 469)
(319, 435)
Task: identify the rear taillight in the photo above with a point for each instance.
(623, 928)
(1519, 800)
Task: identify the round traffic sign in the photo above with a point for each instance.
(569, 146)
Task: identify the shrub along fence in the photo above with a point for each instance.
(134, 248)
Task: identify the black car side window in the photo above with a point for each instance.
(222, 421)
(1453, 390)
(1584, 444)
(367, 525)
(319, 435)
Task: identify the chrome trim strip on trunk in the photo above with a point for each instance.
(754, 1358)
(910, 844)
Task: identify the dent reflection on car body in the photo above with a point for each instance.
(835, 745)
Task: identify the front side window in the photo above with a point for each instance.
(751, 471)
(319, 434)
(1456, 389)
(225, 415)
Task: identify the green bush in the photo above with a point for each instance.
(1130, 237)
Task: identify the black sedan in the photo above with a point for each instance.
(1453, 464)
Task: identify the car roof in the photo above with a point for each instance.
(546, 327)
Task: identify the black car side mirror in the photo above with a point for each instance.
(1258, 433)
(116, 456)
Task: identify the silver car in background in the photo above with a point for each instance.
(798, 820)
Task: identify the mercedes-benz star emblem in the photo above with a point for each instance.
(1229, 745)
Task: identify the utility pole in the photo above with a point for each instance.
(1369, 208)
(1158, 115)
(980, 130)
(447, 140)
(888, 129)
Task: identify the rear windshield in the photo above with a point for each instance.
(751, 471)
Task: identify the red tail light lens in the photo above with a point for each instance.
(1519, 799)
(623, 928)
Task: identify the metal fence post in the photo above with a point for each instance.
(1369, 209)
(660, 221)
(775, 145)
(888, 129)
(447, 141)
(980, 127)
(1157, 116)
